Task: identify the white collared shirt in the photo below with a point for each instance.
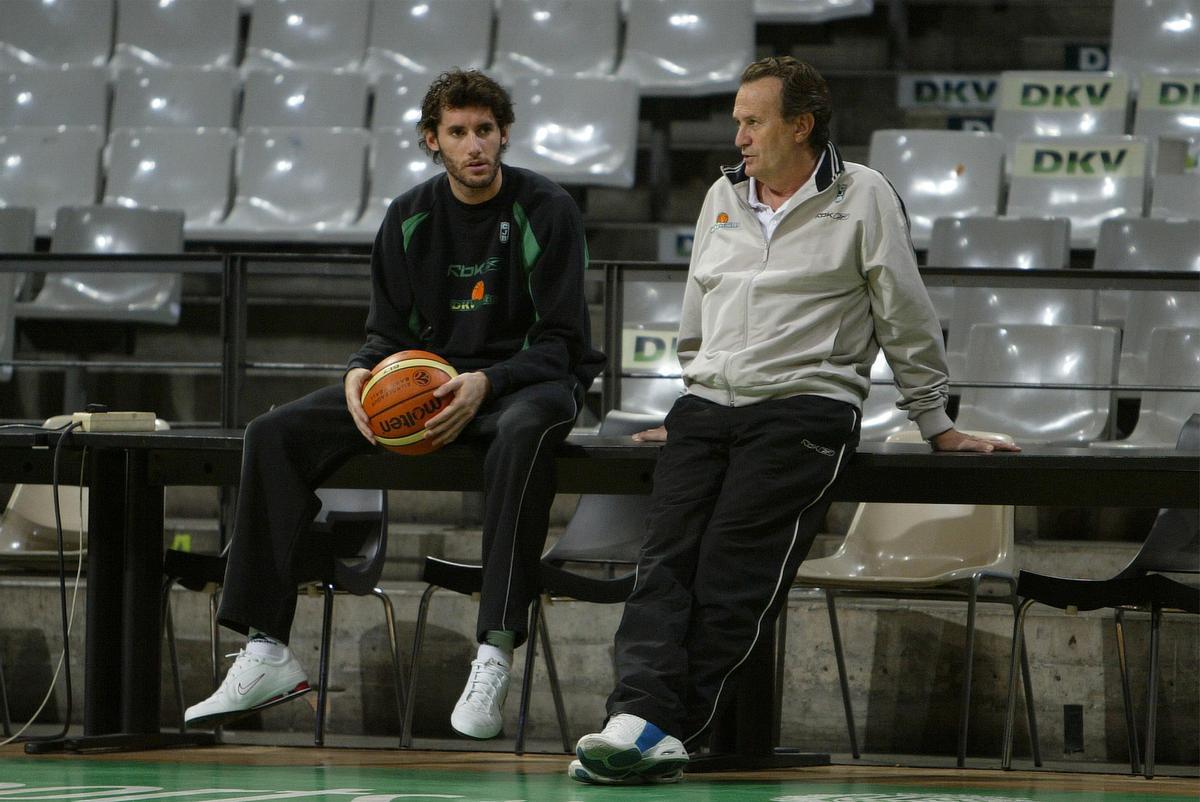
(768, 217)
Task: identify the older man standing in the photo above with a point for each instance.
(802, 270)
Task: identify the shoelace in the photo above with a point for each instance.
(483, 682)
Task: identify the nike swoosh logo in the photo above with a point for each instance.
(245, 689)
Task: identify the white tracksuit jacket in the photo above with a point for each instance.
(807, 312)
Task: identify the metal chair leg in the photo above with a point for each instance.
(177, 683)
(964, 712)
(389, 615)
(841, 666)
(5, 715)
(414, 656)
(323, 669)
(535, 616)
(1152, 691)
(1135, 759)
(780, 666)
(1018, 643)
(169, 628)
(214, 641)
(560, 710)
(214, 638)
(1035, 744)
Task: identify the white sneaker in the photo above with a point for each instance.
(254, 682)
(628, 747)
(480, 710)
(581, 773)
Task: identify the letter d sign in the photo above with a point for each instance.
(1092, 57)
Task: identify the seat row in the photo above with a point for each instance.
(301, 183)
(1149, 354)
(313, 183)
(216, 97)
(690, 37)
(1031, 103)
(1086, 179)
(670, 47)
(1063, 368)
(1045, 339)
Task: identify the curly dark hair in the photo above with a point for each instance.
(460, 89)
(804, 91)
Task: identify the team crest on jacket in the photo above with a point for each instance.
(723, 221)
(504, 228)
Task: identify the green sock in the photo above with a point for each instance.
(498, 644)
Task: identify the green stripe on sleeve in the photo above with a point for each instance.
(409, 226)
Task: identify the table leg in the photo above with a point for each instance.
(122, 672)
(141, 636)
(105, 589)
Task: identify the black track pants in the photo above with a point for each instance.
(290, 450)
(739, 493)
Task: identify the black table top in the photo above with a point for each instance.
(1038, 475)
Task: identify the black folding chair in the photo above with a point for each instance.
(592, 562)
(342, 552)
(1172, 546)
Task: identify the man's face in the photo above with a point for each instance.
(771, 146)
(469, 140)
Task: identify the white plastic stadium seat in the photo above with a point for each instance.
(1162, 413)
(1169, 105)
(173, 168)
(687, 47)
(1038, 355)
(1176, 196)
(42, 97)
(562, 137)
(398, 102)
(304, 97)
(174, 97)
(940, 174)
(538, 38)
(810, 11)
(918, 551)
(1046, 104)
(42, 33)
(1142, 243)
(422, 39)
(98, 295)
(180, 33)
(974, 306)
(1021, 242)
(46, 168)
(649, 370)
(1155, 35)
(1086, 179)
(1150, 310)
(297, 183)
(397, 164)
(286, 34)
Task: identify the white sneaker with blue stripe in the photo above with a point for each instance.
(629, 749)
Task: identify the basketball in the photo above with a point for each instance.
(398, 399)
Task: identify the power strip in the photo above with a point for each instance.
(114, 421)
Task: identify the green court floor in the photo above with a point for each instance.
(84, 779)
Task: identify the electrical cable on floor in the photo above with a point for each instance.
(68, 617)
